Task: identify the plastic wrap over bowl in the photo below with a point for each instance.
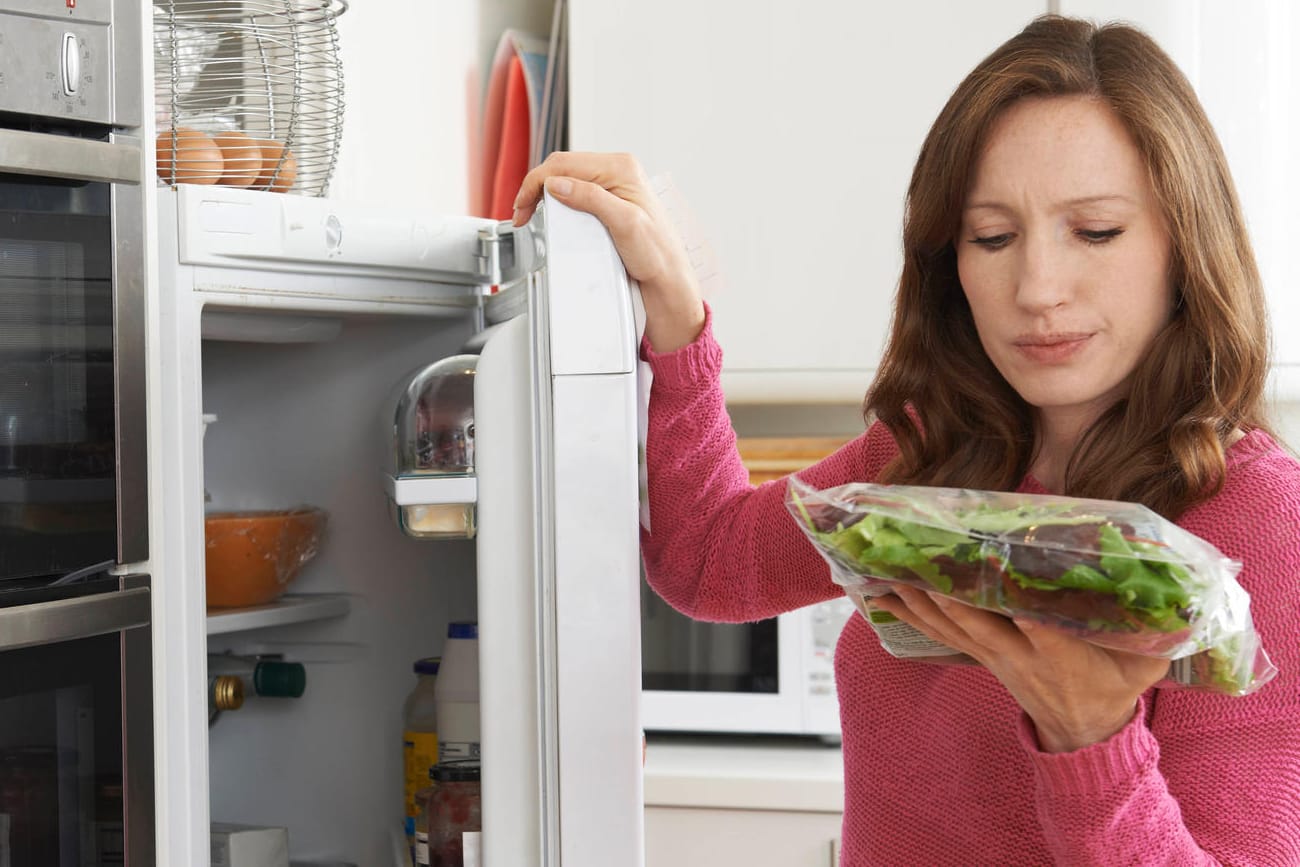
(432, 436)
(251, 556)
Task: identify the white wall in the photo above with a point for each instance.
(413, 75)
(407, 68)
(1286, 417)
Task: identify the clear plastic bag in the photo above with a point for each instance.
(1115, 574)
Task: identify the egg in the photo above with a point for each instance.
(269, 178)
(288, 174)
(242, 156)
(196, 156)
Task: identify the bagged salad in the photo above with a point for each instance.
(1115, 574)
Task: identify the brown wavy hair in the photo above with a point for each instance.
(956, 420)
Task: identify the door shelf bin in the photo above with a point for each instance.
(434, 507)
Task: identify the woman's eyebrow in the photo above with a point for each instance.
(1100, 198)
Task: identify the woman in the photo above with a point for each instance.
(1079, 313)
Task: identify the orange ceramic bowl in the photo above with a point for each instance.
(252, 556)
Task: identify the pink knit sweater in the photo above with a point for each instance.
(941, 767)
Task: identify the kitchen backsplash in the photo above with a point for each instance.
(845, 420)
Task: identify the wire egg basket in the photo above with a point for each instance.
(248, 93)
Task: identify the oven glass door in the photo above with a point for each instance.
(61, 753)
(58, 491)
(683, 655)
(76, 764)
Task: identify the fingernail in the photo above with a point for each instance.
(559, 186)
(518, 218)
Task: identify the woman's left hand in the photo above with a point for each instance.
(1075, 692)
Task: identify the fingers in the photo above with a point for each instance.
(918, 610)
(988, 629)
(978, 633)
(619, 173)
(621, 217)
(614, 189)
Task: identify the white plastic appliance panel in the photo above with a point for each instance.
(509, 602)
(558, 576)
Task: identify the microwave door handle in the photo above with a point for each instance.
(69, 619)
(75, 159)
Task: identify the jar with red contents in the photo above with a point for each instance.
(454, 809)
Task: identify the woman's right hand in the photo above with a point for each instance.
(613, 188)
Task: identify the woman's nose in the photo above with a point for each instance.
(1043, 279)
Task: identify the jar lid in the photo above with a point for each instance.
(456, 772)
(428, 665)
(463, 629)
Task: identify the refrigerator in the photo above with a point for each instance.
(282, 327)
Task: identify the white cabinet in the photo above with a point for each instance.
(791, 129)
(686, 837)
(748, 803)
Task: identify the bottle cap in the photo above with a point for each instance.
(463, 629)
(280, 679)
(227, 692)
(456, 772)
(428, 665)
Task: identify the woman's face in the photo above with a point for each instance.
(1063, 255)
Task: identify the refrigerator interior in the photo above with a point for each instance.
(293, 322)
(302, 423)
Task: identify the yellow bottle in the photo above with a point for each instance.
(419, 737)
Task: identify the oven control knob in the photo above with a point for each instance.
(71, 63)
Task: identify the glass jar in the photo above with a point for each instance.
(454, 808)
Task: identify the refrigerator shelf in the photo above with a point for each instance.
(290, 608)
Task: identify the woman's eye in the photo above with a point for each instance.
(1099, 236)
(992, 242)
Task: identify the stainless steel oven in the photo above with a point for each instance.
(72, 353)
(76, 716)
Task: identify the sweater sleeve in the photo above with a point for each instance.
(1198, 778)
(720, 549)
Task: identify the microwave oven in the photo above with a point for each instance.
(775, 676)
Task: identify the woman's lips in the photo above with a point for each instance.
(1052, 348)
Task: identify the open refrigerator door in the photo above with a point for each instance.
(558, 562)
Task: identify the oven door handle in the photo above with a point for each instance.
(79, 617)
(61, 156)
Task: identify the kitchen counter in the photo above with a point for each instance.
(744, 774)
